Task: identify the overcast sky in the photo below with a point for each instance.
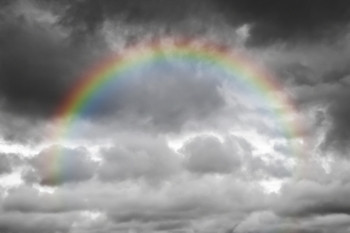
(175, 147)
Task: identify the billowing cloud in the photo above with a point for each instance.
(56, 165)
(49, 60)
(209, 155)
(150, 159)
(274, 21)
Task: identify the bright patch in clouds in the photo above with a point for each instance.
(11, 180)
(272, 185)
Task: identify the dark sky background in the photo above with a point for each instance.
(174, 150)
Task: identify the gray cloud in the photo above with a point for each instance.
(10, 162)
(311, 198)
(89, 15)
(266, 221)
(338, 135)
(164, 98)
(270, 22)
(316, 75)
(209, 155)
(26, 199)
(36, 223)
(50, 61)
(5, 164)
(274, 21)
(57, 165)
(138, 204)
(274, 168)
(150, 159)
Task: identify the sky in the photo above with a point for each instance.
(175, 146)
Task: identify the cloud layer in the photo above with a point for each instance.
(174, 147)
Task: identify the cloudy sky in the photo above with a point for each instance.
(175, 148)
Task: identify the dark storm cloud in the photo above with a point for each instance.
(41, 59)
(270, 21)
(21, 128)
(332, 115)
(298, 73)
(338, 136)
(38, 62)
(50, 61)
(318, 76)
(290, 20)
(88, 15)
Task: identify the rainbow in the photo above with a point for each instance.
(94, 82)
